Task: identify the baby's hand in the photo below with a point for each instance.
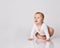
(30, 39)
(47, 40)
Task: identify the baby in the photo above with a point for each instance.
(40, 29)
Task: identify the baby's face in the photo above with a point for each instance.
(38, 18)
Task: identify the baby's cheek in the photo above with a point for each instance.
(39, 20)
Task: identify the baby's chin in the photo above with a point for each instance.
(36, 22)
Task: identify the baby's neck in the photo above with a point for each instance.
(39, 24)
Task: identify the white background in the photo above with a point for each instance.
(16, 19)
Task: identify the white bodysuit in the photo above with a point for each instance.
(43, 31)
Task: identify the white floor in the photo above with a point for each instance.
(20, 41)
(24, 43)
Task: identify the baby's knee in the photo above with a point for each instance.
(51, 31)
(36, 34)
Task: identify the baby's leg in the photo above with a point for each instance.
(51, 31)
(40, 36)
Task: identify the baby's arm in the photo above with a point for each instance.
(32, 33)
(47, 33)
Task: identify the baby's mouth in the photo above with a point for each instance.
(36, 21)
